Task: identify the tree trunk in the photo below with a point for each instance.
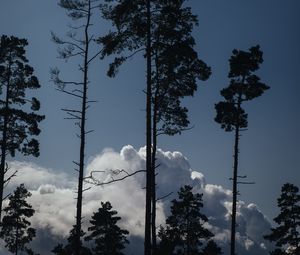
(153, 177)
(147, 243)
(82, 137)
(234, 183)
(17, 240)
(4, 144)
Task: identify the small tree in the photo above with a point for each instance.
(108, 237)
(287, 234)
(184, 232)
(15, 230)
(244, 86)
(17, 126)
(212, 249)
(69, 248)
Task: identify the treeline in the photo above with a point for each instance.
(161, 31)
(184, 232)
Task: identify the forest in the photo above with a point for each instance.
(149, 201)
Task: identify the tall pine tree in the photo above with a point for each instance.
(78, 45)
(244, 86)
(15, 228)
(162, 30)
(287, 234)
(18, 118)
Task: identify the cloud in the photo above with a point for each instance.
(53, 198)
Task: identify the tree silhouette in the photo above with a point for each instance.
(184, 232)
(244, 86)
(18, 127)
(132, 21)
(15, 230)
(108, 237)
(162, 30)
(78, 44)
(177, 69)
(212, 249)
(69, 248)
(286, 235)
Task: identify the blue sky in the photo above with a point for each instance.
(270, 153)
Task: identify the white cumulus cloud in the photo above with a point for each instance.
(53, 196)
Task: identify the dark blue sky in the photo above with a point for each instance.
(270, 153)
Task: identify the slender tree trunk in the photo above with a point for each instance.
(147, 243)
(17, 240)
(234, 183)
(4, 144)
(153, 177)
(82, 136)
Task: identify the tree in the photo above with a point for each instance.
(108, 237)
(184, 232)
(15, 228)
(286, 235)
(162, 30)
(18, 127)
(69, 248)
(177, 68)
(212, 249)
(77, 46)
(244, 86)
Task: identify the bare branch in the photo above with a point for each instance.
(69, 93)
(70, 110)
(92, 58)
(96, 182)
(163, 197)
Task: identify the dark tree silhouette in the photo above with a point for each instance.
(69, 248)
(184, 232)
(78, 44)
(177, 69)
(15, 230)
(132, 20)
(212, 249)
(108, 237)
(161, 29)
(286, 235)
(244, 86)
(18, 127)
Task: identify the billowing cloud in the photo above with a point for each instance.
(53, 197)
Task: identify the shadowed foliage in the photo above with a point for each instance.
(286, 235)
(184, 233)
(15, 228)
(107, 236)
(69, 248)
(18, 118)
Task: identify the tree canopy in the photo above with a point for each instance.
(286, 235)
(15, 227)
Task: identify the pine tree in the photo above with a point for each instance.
(78, 44)
(17, 126)
(69, 248)
(184, 232)
(15, 228)
(244, 86)
(161, 29)
(286, 235)
(177, 68)
(212, 249)
(108, 237)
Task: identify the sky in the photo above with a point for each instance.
(269, 153)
